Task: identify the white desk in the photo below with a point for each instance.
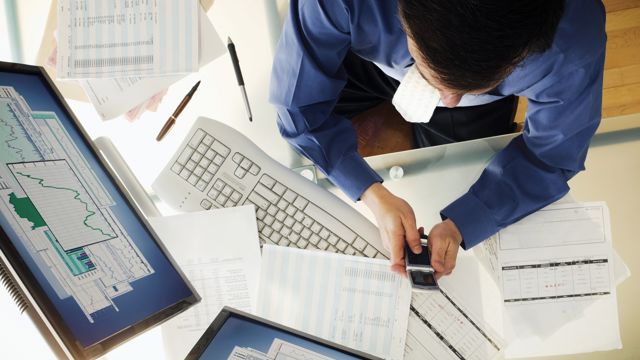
(423, 186)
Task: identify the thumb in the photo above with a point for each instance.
(438, 251)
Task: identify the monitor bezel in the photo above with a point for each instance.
(45, 316)
(216, 325)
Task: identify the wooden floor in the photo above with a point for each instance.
(621, 94)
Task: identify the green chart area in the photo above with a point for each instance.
(26, 210)
(77, 260)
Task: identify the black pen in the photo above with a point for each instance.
(236, 68)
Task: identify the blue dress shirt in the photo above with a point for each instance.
(563, 86)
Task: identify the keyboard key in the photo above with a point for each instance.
(275, 237)
(196, 157)
(236, 196)
(205, 162)
(281, 215)
(350, 251)
(221, 199)
(302, 244)
(359, 244)
(299, 215)
(201, 185)
(279, 189)
(297, 227)
(220, 148)
(380, 256)
(237, 158)
(272, 210)
(266, 193)
(369, 251)
(246, 164)
(240, 172)
(254, 170)
(185, 156)
(293, 237)
(323, 245)
(324, 233)
(261, 225)
(333, 240)
(230, 203)
(213, 193)
(219, 185)
(176, 168)
(300, 202)
(261, 214)
(210, 154)
(316, 227)
(306, 233)
(208, 139)
(314, 239)
(291, 210)
(269, 219)
(206, 204)
(218, 160)
(190, 165)
(331, 249)
(289, 221)
(193, 180)
(196, 138)
(227, 191)
(282, 205)
(198, 171)
(290, 196)
(213, 168)
(277, 225)
(258, 200)
(267, 231)
(285, 231)
(202, 149)
(342, 245)
(330, 222)
(285, 242)
(207, 176)
(307, 221)
(185, 174)
(267, 181)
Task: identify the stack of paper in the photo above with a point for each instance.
(555, 269)
(219, 252)
(357, 302)
(125, 53)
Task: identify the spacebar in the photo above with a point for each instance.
(330, 223)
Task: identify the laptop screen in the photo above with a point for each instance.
(88, 259)
(238, 337)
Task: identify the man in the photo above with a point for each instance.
(476, 54)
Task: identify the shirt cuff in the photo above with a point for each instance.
(353, 175)
(472, 218)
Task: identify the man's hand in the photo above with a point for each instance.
(396, 222)
(444, 241)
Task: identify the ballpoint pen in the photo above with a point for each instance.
(172, 119)
(236, 68)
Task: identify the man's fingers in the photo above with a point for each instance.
(396, 243)
(438, 251)
(450, 256)
(412, 235)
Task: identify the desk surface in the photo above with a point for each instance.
(613, 164)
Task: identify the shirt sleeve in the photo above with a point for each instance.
(533, 170)
(306, 81)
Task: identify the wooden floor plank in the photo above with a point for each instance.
(621, 100)
(623, 48)
(622, 76)
(616, 5)
(624, 19)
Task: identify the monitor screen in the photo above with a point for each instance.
(240, 337)
(86, 256)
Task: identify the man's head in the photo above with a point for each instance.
(470, 46)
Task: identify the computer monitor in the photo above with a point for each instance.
(75, 252)
(236, 335)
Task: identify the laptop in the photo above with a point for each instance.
(236, 335)
(75, 252)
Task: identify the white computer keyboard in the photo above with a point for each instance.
(216, 166)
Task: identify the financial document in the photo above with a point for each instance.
(219, 252)
(441, 328)
(354, 301)
(117, 38)
(555, 268)
(114, 97)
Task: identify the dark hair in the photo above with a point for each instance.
(474, 44)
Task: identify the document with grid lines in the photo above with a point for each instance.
(118, 38)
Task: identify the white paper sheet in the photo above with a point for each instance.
(114, 97)
(107, 39)
(219, 252)
(415, 99)
(357, 302)
(556, 271)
